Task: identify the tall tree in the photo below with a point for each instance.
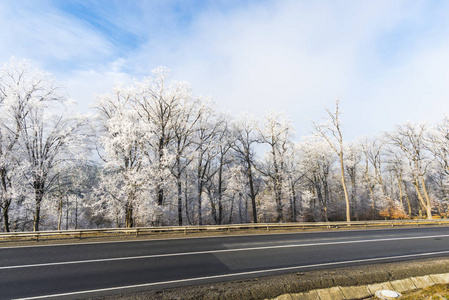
(410, 139)
(315, 165)
(206, 142)
(16, 88)
(331, 132)
(217, 185)
(183, 142)
(277, 133)
(159, 103)
(123, 138)
(245, 139)
(49, 137)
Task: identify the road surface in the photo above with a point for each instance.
(93, 269)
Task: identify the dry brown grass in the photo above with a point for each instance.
(435, 292)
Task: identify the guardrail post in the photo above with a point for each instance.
(137, 232)
(268, 227)
(37, 236)
(185, 230)
(81, 234)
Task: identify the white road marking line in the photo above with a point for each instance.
(234, 274)
(218, 236)
(216, 251)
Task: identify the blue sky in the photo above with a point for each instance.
(386, 60)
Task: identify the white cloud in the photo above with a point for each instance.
(299, 58)
(292, 56)
(84, 85)
(386, 60)
(38, 31)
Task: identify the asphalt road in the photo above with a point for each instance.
(87, 270)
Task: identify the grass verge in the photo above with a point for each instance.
(439, 291)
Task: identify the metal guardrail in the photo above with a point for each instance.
(188, 229)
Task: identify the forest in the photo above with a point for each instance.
(152, 153)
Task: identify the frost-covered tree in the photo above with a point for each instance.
(410, 140)
(45, 135)
(331, 132)
(217, 186)
(160, 104)
(123, 138)
(372, 153)
(277, 133)
(352, 165)
(245, 138)
(237, 188)
(316, 161)
(14, 94)
(207, 142)
(398, 166)
(294, 177)
(182, 145)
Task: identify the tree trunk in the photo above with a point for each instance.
(409, 206)
(319, 195)
(7, 201)
(420, 197)
(220, 196)
(200, 215)
(160, 188)
(59, 213)
(6, 216)
(343, 182)
(38, 196)
(251, 190)
(76, 212)
(37, 213)
(129, 221)
(401, 196)
(354, 196)
(160, 195)
(292, 186)
(232, 209)
(240, 209)
(373, 206)
(325, 214)
(67, 213)
(278, 196)
(213, 207)
(428, 205)
(179, 184)
(246, 210)
(186, 196)
(220, 211)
